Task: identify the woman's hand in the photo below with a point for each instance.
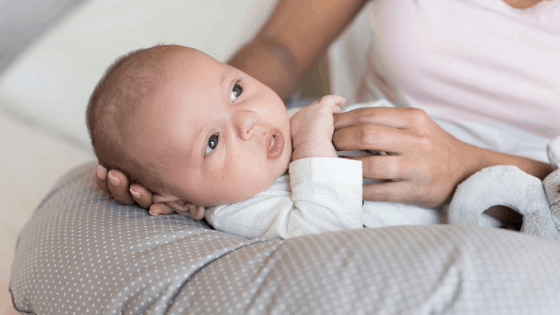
(425, 163)
(116, 184)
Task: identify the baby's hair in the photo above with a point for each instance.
(126, 85)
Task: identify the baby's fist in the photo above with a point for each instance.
(312, 128)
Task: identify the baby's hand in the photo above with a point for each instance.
(312, 128)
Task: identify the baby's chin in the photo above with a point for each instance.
(281, 168)
(250, 191)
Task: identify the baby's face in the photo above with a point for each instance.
(225, 136)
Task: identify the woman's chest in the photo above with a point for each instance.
(481, 46)
(477, 56)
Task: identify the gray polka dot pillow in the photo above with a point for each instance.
(82, 253)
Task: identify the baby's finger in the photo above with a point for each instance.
(333, 99)
(336, 109)
(101, 179)
(160, 209)
(118, 186)
(141, 195)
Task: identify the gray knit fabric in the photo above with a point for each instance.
(82, 253)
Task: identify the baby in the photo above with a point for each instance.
(213, 142)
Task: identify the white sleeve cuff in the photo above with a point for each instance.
(326, 169)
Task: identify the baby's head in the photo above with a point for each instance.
(188, 127)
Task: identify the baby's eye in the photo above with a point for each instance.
(212, 143)
(236, 92)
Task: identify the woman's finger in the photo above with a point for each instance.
(374, 137)
(404, 191)
(101, 179)
(118, 186)
(141, 195)
(160, 209)
(387, 167)
(397, 117)
(399, 191)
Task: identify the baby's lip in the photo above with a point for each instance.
(275, 145)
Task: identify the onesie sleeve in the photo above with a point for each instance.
(326, 195)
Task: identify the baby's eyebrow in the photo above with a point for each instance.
(196, 136)
(224, 76)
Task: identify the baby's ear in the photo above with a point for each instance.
(181, 206)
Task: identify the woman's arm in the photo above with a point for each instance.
(293, 39)
(426, 164)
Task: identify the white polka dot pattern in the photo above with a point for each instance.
(80, 253)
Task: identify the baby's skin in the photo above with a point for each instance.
(312, 128)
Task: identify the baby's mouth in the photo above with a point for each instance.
(275, 145)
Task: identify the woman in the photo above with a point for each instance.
(486, 60)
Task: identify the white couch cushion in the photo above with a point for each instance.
(50, 84)
(31, 163)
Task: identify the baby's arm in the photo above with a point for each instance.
(312, 128)
(320, 195)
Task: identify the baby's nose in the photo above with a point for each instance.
(245, 125)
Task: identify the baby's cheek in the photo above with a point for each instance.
(245, 182)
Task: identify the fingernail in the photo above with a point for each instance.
(135, 193)
(101, 172)
(153, 213)
(114, 180)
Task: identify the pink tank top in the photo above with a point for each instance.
(478, 60)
